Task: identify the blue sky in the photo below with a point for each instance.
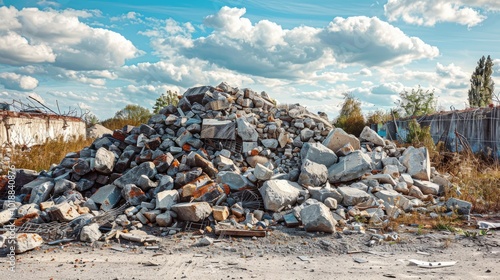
(103, 55)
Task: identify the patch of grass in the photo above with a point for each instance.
(40, 157)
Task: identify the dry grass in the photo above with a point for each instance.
(119, 123)
(477, 179)
(40, 157)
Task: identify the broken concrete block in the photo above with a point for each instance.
(225, 164)
(46, 205)
(317, 217)
(278, 194)
(407, 179)
(331, 203)
(253, 160)
(166, 199)
(133, 194)
(6, 216)
(312, 174)
(192, 211)
(133, 175)
(370, 135)
(345, 150)
(164, 219)
(352, 196)
(41, 192)
(108, 196)
(394, 161)
(90, 233)
(218, 129)
(82, 167)
(220, 213)
(27, 209)
(392, 170)
(63, 185)
(206, 165)
(262, 173)
(63, 212)
(151, 215)
(270, 143)
(337, 138)
(104, 161)
(427, 187)
(350, 167)
(318, 153)
(383, 179)
(402, 187)
(27, 241)
(145, 183)
(416, 192)
(417, 162)
(246, 131)
(234, 180)
(461, 207)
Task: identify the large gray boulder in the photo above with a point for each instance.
(371, 136)
(350, 167)
(337, 138)
(317, 217)
(166, 199)
(427, 187)
(417, 161)
(312, 174)
(278, 194)
(318, 153)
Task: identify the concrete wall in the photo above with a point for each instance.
(477, 129)
(32, 128)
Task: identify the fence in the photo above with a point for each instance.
(28, 129)
(480, 128)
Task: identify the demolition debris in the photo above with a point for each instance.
(230, 162)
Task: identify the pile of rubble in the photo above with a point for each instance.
(233, 161)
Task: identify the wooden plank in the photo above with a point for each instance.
(241, 232)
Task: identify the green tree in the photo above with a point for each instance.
(482, 86)
(134, 113)
(164, 100)
(351, 119)
(417, 102)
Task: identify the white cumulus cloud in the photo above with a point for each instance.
(430, 12)
(18, 82)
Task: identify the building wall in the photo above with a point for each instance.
(31, 128)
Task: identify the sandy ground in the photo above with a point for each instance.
(283, 254)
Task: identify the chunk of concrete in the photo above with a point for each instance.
(278, 194)
(246, 131)
(234, 180)
(63, 212)
(41, 192)
(317, 217)
(104, 161)
(417, 161)
(392, 170)
(192, 211)
(164, 219)
(27, 241)
(133, 175)
(352, 196)
(383, 178)
(337, 138)
(350, 167)
(63, 185)
(108, 196)
(166, 199)
(461, 207)
(427, 187)
(318, 153)
(262, 173)
(5, 216)
(90, 233)
(312, 174)
(371, 136)
(220, 213)
(133, 194)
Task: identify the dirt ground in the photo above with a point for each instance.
(283, 254)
